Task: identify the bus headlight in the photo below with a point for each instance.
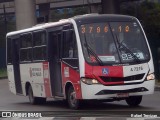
(151, 77)
(89, 81)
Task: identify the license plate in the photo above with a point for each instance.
(122, 95)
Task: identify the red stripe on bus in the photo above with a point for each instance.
(47, 85)
(97, 71)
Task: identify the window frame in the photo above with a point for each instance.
(69, 60)
(40, 46)
(26, 48)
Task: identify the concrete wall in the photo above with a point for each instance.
(25, 13)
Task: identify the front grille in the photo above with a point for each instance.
(120, 79)
(133, 90)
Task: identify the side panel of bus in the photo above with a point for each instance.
(37, 75)
(34, 69)
(13, 65)
(27, 63)
(46, 61)
(11, 79)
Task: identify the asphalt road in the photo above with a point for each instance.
(11, 102)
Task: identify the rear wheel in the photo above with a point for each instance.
(71, 98)
(35, 100)
(134, 100)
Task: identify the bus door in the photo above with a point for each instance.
(55, 62)
(15, 56)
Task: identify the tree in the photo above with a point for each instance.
(64, 13)
(149, 15)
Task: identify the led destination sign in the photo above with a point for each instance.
(103, 28)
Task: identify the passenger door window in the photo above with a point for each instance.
(69, 48)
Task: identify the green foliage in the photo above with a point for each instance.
(2, 34)
(11, 26)
(3, 73)
(58, 14)
(150, 14)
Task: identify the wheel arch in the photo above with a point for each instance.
(67, 86)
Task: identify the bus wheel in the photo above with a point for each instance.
(134, 100)
(35, 100)
(71, 98)
(32, 99)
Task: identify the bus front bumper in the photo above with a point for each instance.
(99, 91)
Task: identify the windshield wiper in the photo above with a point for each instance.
(122, 46)
(91, 52)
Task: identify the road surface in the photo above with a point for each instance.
(11, 102)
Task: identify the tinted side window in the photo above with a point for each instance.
(39, 38)
(69, 45)
(39, 53)
(69, 48)
(26, 55)
(39, 45)
(26, 47)
(26, 40)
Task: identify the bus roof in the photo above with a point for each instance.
(96, 15)
(82, 19)
(38, 27)
(78, 18)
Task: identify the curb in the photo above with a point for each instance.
(1, 78)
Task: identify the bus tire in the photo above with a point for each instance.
(32, 99)
(134, 101)
(71, 98)
(35, 100)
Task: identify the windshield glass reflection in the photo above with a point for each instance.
(114, 42)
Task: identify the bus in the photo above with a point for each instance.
(101, 57)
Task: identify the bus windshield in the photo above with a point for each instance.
(114, 42)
